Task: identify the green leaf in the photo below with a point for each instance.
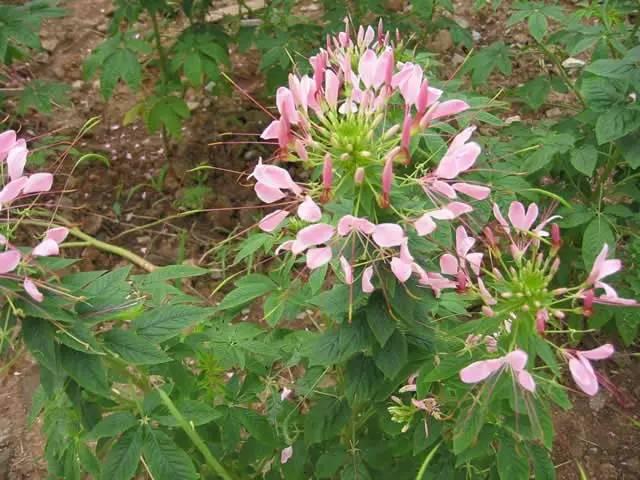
(85, 369)
(160, 324)
(542, 465)
(39, 336)
(487, 60)
(88, 460)
(610, 68)
(168, 111)
(121, 64)
(628, 323)
(361, 379)
(42, 96)
(122, 460)
(133, 348)
(596, 235)
(616, 123)
(601, 93)
(379, 319)
(393, 356)
(630, 148)
(165, 459)
(247, 289)
(112, 425)
(257, 425)
(329, 416)
(330, 462)
(535, 92)
(584, 159)
(511, 464)
(538, 25)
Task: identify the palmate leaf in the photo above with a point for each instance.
(167, 111)
(496, 56)
(41, 96)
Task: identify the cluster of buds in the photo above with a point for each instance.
(405, 413)
(17, 264)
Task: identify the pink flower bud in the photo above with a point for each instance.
(542, 317)
(587, 303)
(387, 179)
(491, 343)
(380, 31)
(358, 177)
(556, 240)
(488, 311)
(406, 135)
(327, 176)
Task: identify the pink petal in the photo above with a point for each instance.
(286, 105)
(9, 260)
(498, 214)
(367, 275)
(385, 67)
(450, 107)
(526, 381)
(447, 168)
(331, 86)
(584, 376)
(346, 225)
(444, 189)
(449, 264)
(459, 208)
(268, 194)
(479, 371)
(346, 270)
(32, 290)
(16, 160)
(388, 235)
(309, 211)
(517, 360)
(364, 226)
(401, 269)
(317, 257)
(405, 254)
(273, 176)
(12, 189)
(425, 225)
(273, 131)
(474, 191)
(442, 214)
(270, 222)
(285, 246)
(38, 182)
(486, 296)
(286, 454)
(57, 234)
(315, 234)
(464, 242)
(7, 141)
(600, 353)
(475, 260)
(367, 68)
(520, 219)
(466, 155)
(46, 248)
(433, 96)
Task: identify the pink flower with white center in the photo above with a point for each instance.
(460, 157)
(514, 361)
(450, 265)
(582, 371)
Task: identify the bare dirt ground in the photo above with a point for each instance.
(599, 434)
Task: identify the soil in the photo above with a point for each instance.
(116, 202)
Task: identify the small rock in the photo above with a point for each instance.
(457, 59)
(573, 63)
(608, 472)
(597, 402)
(49, 44)
(521, 38)
(512, 119)
(476, 35)
(77, 85)
(442, 41)
(193, 105)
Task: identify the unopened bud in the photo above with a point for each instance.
(560, 315)
(387, 179)
(587, 303)
(498, 274)
(555, 266)
(542, 317)
(358, 177)
(556, 240)
(462, 281)
(391, 131)
(559, 291)
(491, 343)
(327, 177)
(488, 311)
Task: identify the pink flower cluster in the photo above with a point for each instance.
(14, 152)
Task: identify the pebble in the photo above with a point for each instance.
(477, 36)
(573, 63)
(457, 59)
(77, 85)
(512, 119)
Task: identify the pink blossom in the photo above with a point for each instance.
(7, 142)
(367, 69)
(459, 208)
(401, 269)
(274, 177)
(286, 105)
(388, 235)
(331, 88)
(32, 290)
(367, 276)
(426, 225)
(309, 211)
(312, 235)
(11, 190)
(520, 219)
(317, 257)
(268, 194)
(358, 176)
(450, 107)
(408, 81)
(271, 221)
(57, 234)
(9, 261)
(603, 268)
(542, 317)
(46, 248)
(516, 361)
(581, 369)
(451, 265)
(16, 160)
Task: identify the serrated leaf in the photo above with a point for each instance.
(195, 412)
(121, 64)
(167, 461)
(616, 123)
(542, 464)
(247, 289)
(379, 319)
(257, 425)
(85, 369)
(393, 356)
(112, 425)
(42, 96)
(512, 464)
(133, 348)
(161, 324)
(122, 460)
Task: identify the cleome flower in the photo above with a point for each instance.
(514, 361)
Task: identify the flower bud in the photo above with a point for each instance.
(462, 281)
(491, 343)
(387, 179)
(587, 303)
(327, 177)
(358, 177)
(556, 240)
(488, 311)
(542, 317)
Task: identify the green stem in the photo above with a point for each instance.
(427, 461)
(195, 438)
(563, 73)
(164, 70)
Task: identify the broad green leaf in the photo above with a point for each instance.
(379, 319)
(630, 148)
(538, 25)
(627, 323)
(195, 412)
(121, 64)
(39, 336)
(169, 112)
(122, 460)
(167, 461)
(601, 93)
(542, 464)
(596, 235)
(611, 68)
(134, 349)
(330, 462)
(535, 92)
(257, 425)
(616, 123)
(361, 380)
(247, 289)
(325, 420)
(392, 357)
(85, 369)
(160, 324)
(584, 159)
(112, 425)
(42, 96)
(512, 463)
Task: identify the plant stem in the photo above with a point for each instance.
(107, 247)
(195, 438)
(563, 73)
(164, 70)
